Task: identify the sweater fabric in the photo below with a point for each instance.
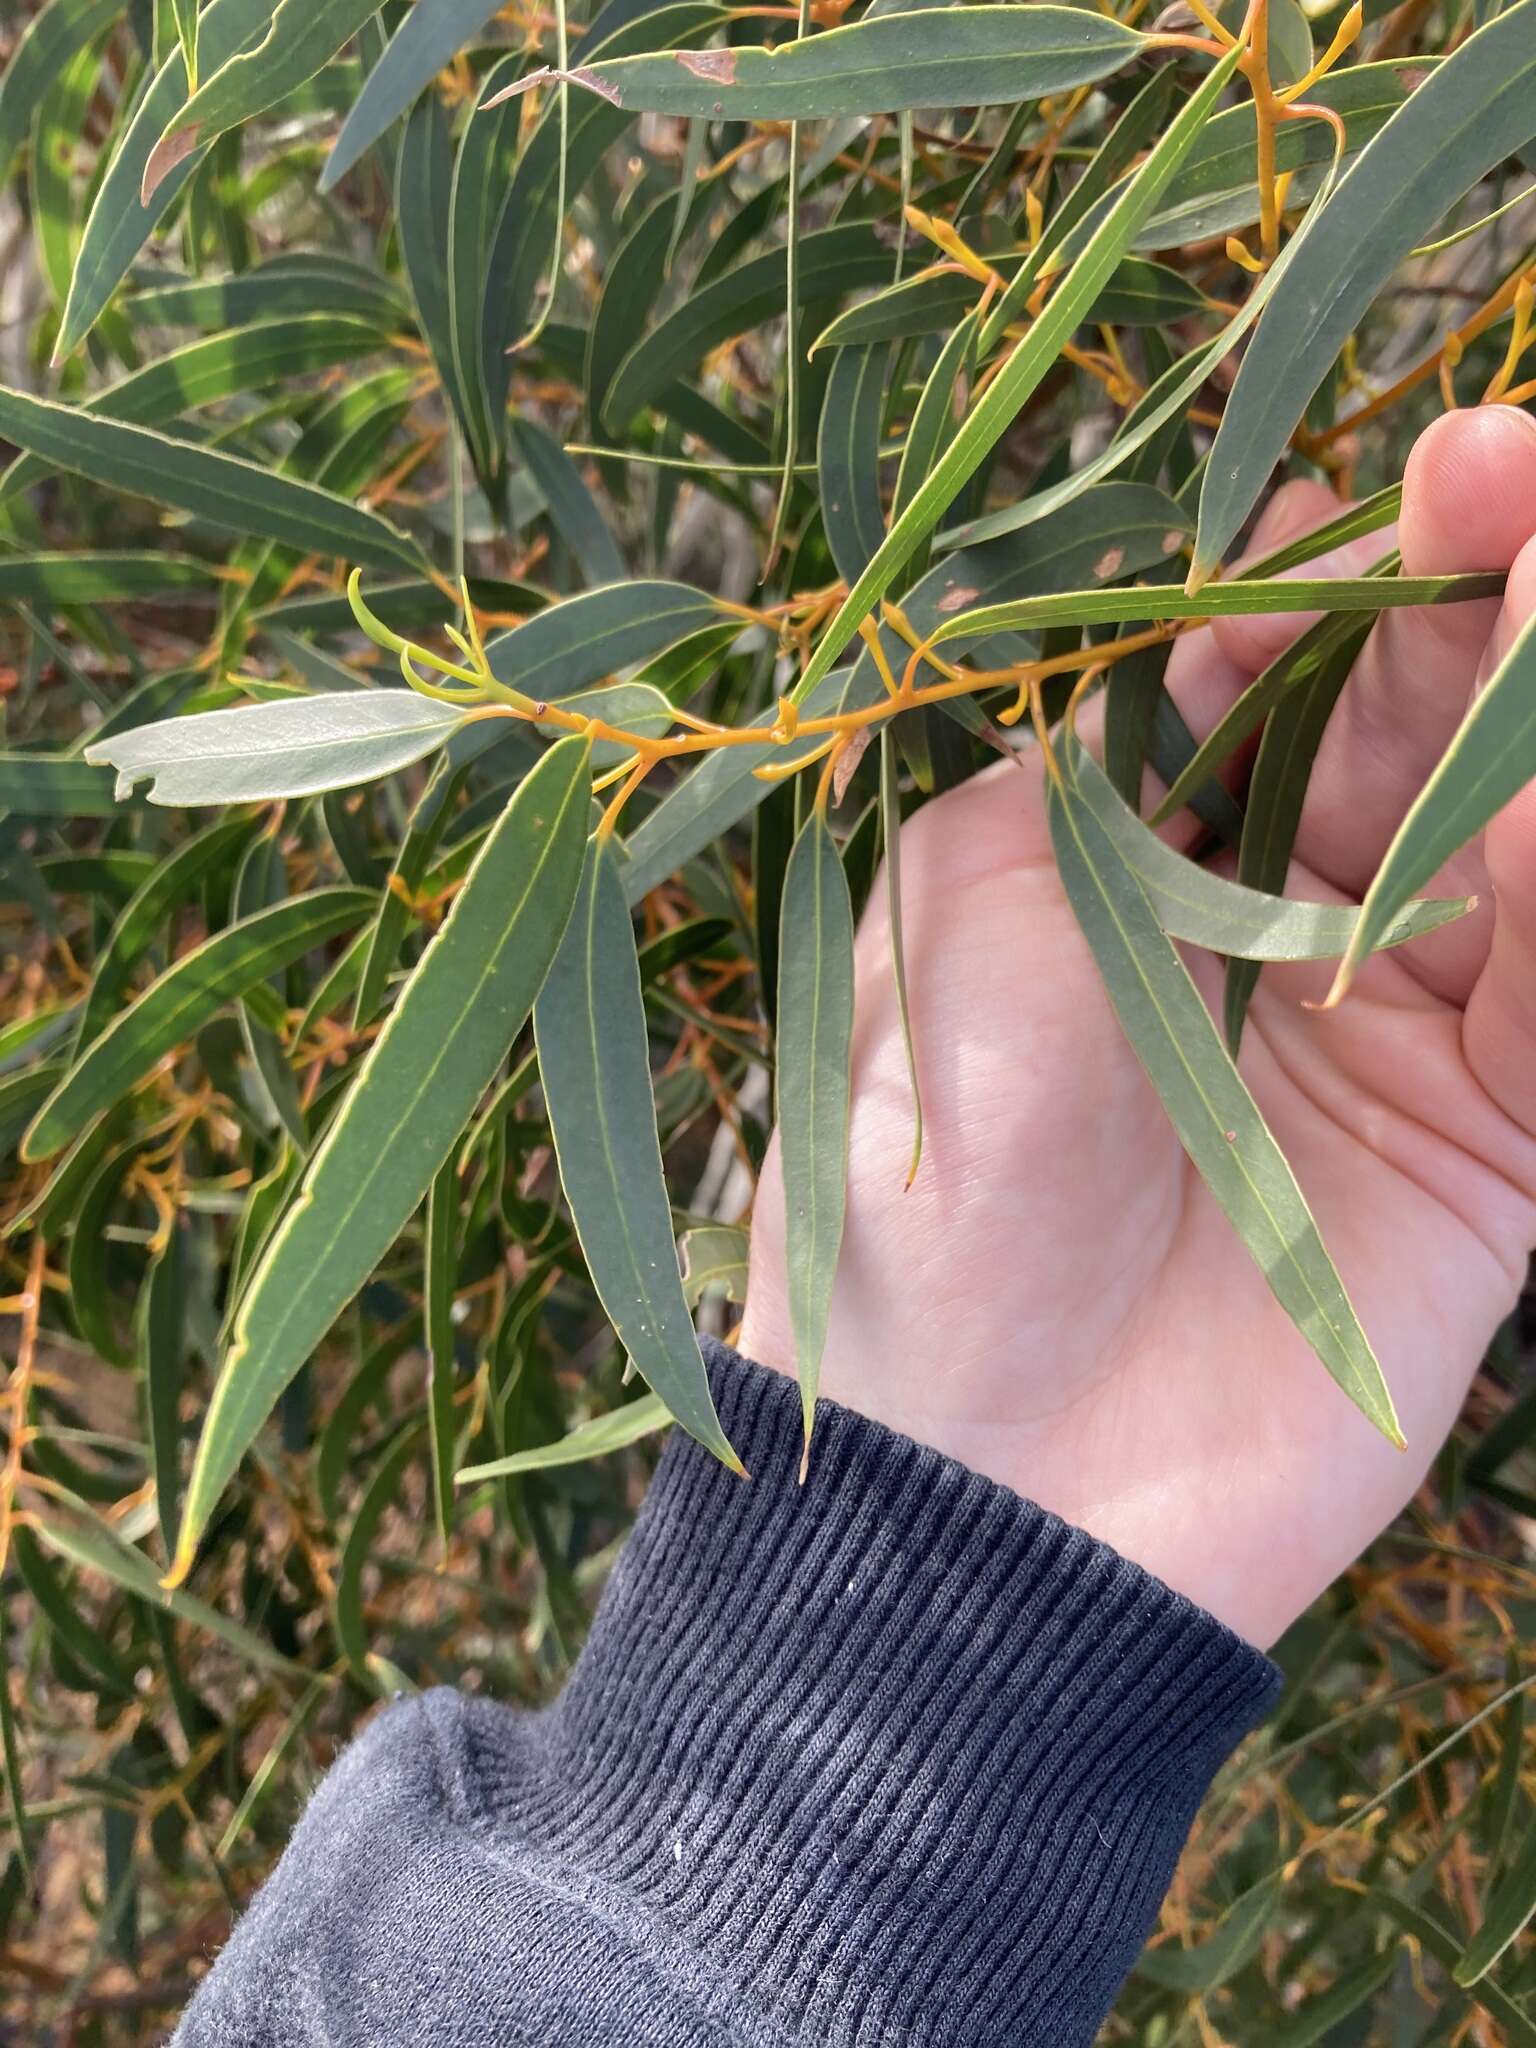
(894, 1757)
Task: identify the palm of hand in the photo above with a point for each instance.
(1057, 1301)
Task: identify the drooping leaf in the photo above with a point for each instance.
(298, 281)
(427, 39)
(1210, 1963)
(1291, 669)
(1207, 1102)
(120, 222)
(294, 747)
(1491, 758)
(241, 359)
(226, 489)
(605, 1434)
(890, 842)
(572, 509)
(561, 156)
(594, 1066)
(814, 1039)
(1194, 903)
(181, 1002)
(1506, 1916)
(300, 35)
(1318, 2019)
(1463, 120)
(94, 1546)
(847, 456)
(186, 34)
(440, 1047)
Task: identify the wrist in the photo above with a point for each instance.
(1163, 1523)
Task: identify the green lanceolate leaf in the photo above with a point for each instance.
(1289, 671)
(482, 172)
(1436, 1940)
(1207, 1102)
(439, 1275)
(438, 1050)
(1317, 2020)
(194, 989)
(1238, 599)
(59, 579)
(423, 196)
(216, 367)
(10, 1766)
(596, 1439)
(1193, 903)
(296, 746)
(160, 1335)
(1215, 192)
(120, 222)
(427, 39)
(572, 509)
(298, 283)
(886, 64)
(594, 1066)
(1463, 121)
(1208, 1965)
(428, 822)
(54, 786)
(1277, 791)
(557, 162)
(378, 1497)
(830, 262)
(1021, 375)
(167, 885)
(186, 34)
(589, 636)
(225, 489)
(1508, 1914)
(814, 1040)
(1489, 761)
(847, 456)
(96, 1547)
(301, 35)
(46, 45)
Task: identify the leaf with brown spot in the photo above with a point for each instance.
(718, 65)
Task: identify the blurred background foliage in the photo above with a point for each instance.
(373, 315)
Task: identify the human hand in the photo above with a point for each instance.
(1057, 1301)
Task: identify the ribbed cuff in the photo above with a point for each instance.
(895, 1756)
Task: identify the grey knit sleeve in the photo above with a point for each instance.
(895, 1758)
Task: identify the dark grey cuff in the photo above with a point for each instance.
(894, 1758)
